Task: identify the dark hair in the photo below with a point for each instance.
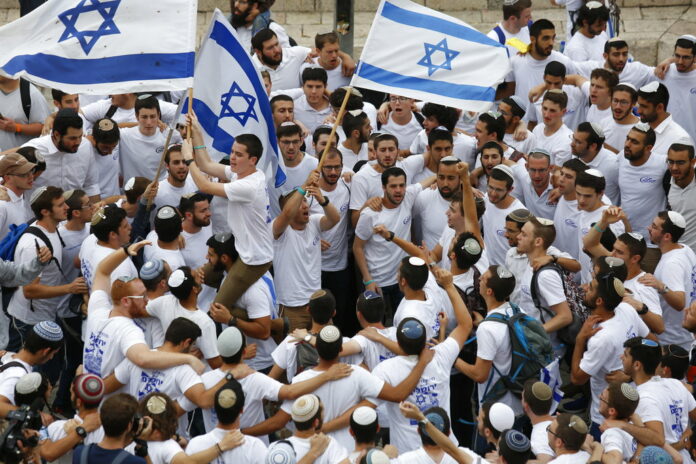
(540, 25)
(352, 123)
(322, 306)
(415, 276)
(253, 145)
(683, 147)
(439, 134)
(181, 329)
(559, 97)
(116, 414)
(575, 165)
(58, 95)
(364, 434)
(516, 109)
(486, 408)
(668, 227)
(75, 202)
(493, 145)
(591, 15)
(494, 125)
(519, 217)
(635, 246)
(610, 77)
(555, 69)
(326, 38)
(592, 137)
(445, 115)
(288, 130)
(626, 88)
(464, 258)
(648, 355)
(110, 223)
(499, 174)
(607, 265)
(112, 135)
(372, 309)
(661, 95)
(598, 184)
(33, 343)
(45, 200)
(168, 229)
(502, 287)
(392, 172)
(328, 351)
(314, 74)
(187, 203)
(321, 130)
(614, 43)
(408, 344)
(355, 102)
(260, 37)
(164, 422)
(547, 233)
(170, 150)
(184, 290)
(616, 399)
(223, 248)
(677, 359)
(568, 433)
(381, 138)
(65, 119)
(227, 415)
(139, 186)
(148, 102)
(425, 438)
(516, 8)
(650, 135)
(686, 43)
(281, 97)
(538, 406)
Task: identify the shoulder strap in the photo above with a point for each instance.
(25, 96)
(501, 35)
(6, 366)
(122, 456)
(84, 455)
(534, 285)
(33, 230)
(111, 111)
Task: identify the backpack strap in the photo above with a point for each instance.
(84, 454)
(33, 230)
(6, 366)
(499, 32)
(25, 96)
(666, 183)
(111, 111)
(122, 456)
(535, 284)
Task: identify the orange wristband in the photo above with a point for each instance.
(18, 128)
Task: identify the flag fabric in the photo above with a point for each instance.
(421, 53)
(229, 98)
(551, 376)
(103, 46)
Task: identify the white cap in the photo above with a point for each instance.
(176, 279)
(688, 37)
(364, 415)
(377, 456)
(545, 221)
(506, 169)
(597, 129)
(628, 84)
(594, 172)
(129, 185)
(520, 102)
(28, 383)
(501, 416)
(651, 87)
(677, 219)
(305, 407)
(684, 141)
(330, 334)
(413, 261)
(230, 342)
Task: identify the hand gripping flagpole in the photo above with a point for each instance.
(168, 140)
(339, 117)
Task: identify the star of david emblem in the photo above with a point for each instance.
(238, 94)
(88, 38)
(431, 49)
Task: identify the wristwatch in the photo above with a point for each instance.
(188, 162)
(308, 338)
(81, 432)
(229, 377)
(643, 311)
(423, 422)
(232, 322)
(326, 202)
(664, 290)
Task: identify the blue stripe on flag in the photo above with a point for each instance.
(224, 38)
(446, 89)
(124, 68)
(424, 21)
(222, 141)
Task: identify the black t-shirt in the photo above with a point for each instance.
(99, 455)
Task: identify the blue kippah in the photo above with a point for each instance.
(655, 455)
(49, 330)
(151, 269)
(412, 329)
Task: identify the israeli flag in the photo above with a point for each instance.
(103, 46)
(229, 98)
(551, 376)
(417, 52)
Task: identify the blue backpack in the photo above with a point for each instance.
(9, 242)
(531, 352)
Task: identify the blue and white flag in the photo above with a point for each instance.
(229, 98)
(421, 53)
(103, 46)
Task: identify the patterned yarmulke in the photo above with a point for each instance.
(305, 407)
(377, 456)
(412, 329)
(151, 269)
(629, 392)
(677, 219)
(281, 452)
(49, 330)
(655, 455)
(364, 415)
(516, 441)
(28, 383)
(89, 388)
(330, 334)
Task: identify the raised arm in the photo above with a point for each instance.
(471, 223)
(102, 276)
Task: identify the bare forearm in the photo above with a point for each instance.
(270, 425)
(255, 329)
(40, 291)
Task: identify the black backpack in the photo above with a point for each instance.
(306, 356)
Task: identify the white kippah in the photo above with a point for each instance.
(364, 415)
(651, 87)
(594, 172)
(684, 141)
(677, 219)
(177, 278)
(597, 129)
(413, 261)
(501, 416)
(545, 221)
(506, 170)
(28, 383)
(330, 334)
(129, 185)
(229, 342)
(304, 408)
(628, 84)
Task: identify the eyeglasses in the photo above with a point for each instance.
(135, 297)
(332, 168)
(548, 429)
(616, 101)
(125, 280)
(399, 99)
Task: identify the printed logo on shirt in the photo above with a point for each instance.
(344, 207)
(149, 384)
(693, 283)
(407, 219)
(525, 289)
(315, 241)
(425, 395)
(692, 91)
(159, 149)
(648, 180)
(94, 353)
(500, 232)
(631, 332)
(677, 410)
(571, 223)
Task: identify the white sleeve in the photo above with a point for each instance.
(612, 440)
(39, 108)
(207, 342)
(123, 370)
(363, 229)
(550, 287)
(240, 191)
(370, 384)
(186, 377)
(676, 277)
(358, 192)
(447, 352)
(486, 346)
(595, 357)
(280, 355)
(131, 336)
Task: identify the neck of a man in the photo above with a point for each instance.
(305, 433)
(416, 295)
(233, 426)
(173, 245)
(190, 303)
(666, 247)
(47, 223)
(402, 117)
(169, 347)
(603, 313)
(492, 303)
(190, 227)
(640, 161)
(325, 365)
(353, 145)
(570, 196)
(552, 127)
(639, 378)
(9, 85)
(586, 32)
(505, 202)
(319, 105)
(84, 412)
(536, 252)
(316, 327)
(74, 225)
(435, 452)
(629, 119)
(297, 225)
(325, 186)
(588, 157)
(510, 25)
(538, 419)
(11, 186)
(659, 120)
(176, 182)
(115, 443)
(388, 204)
(632, 270)
(26, 356)
(295, 162)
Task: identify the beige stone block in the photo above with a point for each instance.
(682, 27)
(631, 13)
(665, 47)
(552, 14)
(690, 14)
(8, 4)
(302, 18)
(647, 26)
(310, 31)
(210, 5)
(3, 16)
(294, 30)
(455, 4)
(279, 17)
(645, 51)
(298, 5)
(663, 12)
(12, 14)
(360, 5)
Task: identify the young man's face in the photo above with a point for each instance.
(395, 189)
(490, 158)
(525, 239)
(148, 120)
(684, 59)
(617, 58)
(512, 232)
(566, 181)
(552, 112)
(621, 105)
(543, 45)
(440, 149)
(679, 164)
(283, 111)
(599, 91)
(69, 101)
(497, 190)
(587, 198)
(314, 91)
(328, 55)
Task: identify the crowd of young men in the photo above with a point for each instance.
(353, 314)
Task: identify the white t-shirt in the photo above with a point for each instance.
(549, 291)
(11, 108)
(109, 169)
(294, 177)
(667, 132)
(174, 381)
(195, 249)
(335, 258)
(426, 312)
(16, 211)
(644, 294)
(608, 164)
(174, 258)
(580, 457)
(642, 195)
(493, 221)
(540, 439)
(383, 257)
(167, 194)
(583, 48)
(55, 432)
(420, 456)
(585, 220)
(252, 451)
(106, 343)
(260, 301)
(34, 311)
(682, 97)
(166, 308)
(350, 157)
(669, 402)
(162, 452)
(493, 344)
(10, 376)
(367, 183)
(558, 143)
(140, 154)
(287, 74)
(615, 133)
(374, 352)
(604, 350)
(538, 205)
(527, 72)
(91, 254)
(335, 76)
(615, 439)
(429, 216)
(97, 110)
(309, 116)
(340, 395)
(73, 242)
(433, 389)
(522, 36)
(676, 270)
(334, 451)
(682, 200)
(67, 170)
(248, 217)
(565, 220)
(297, 262)
(575, 108)
(405, 133)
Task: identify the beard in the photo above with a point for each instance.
(200, 223)
(271, 61)
(239, 20)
